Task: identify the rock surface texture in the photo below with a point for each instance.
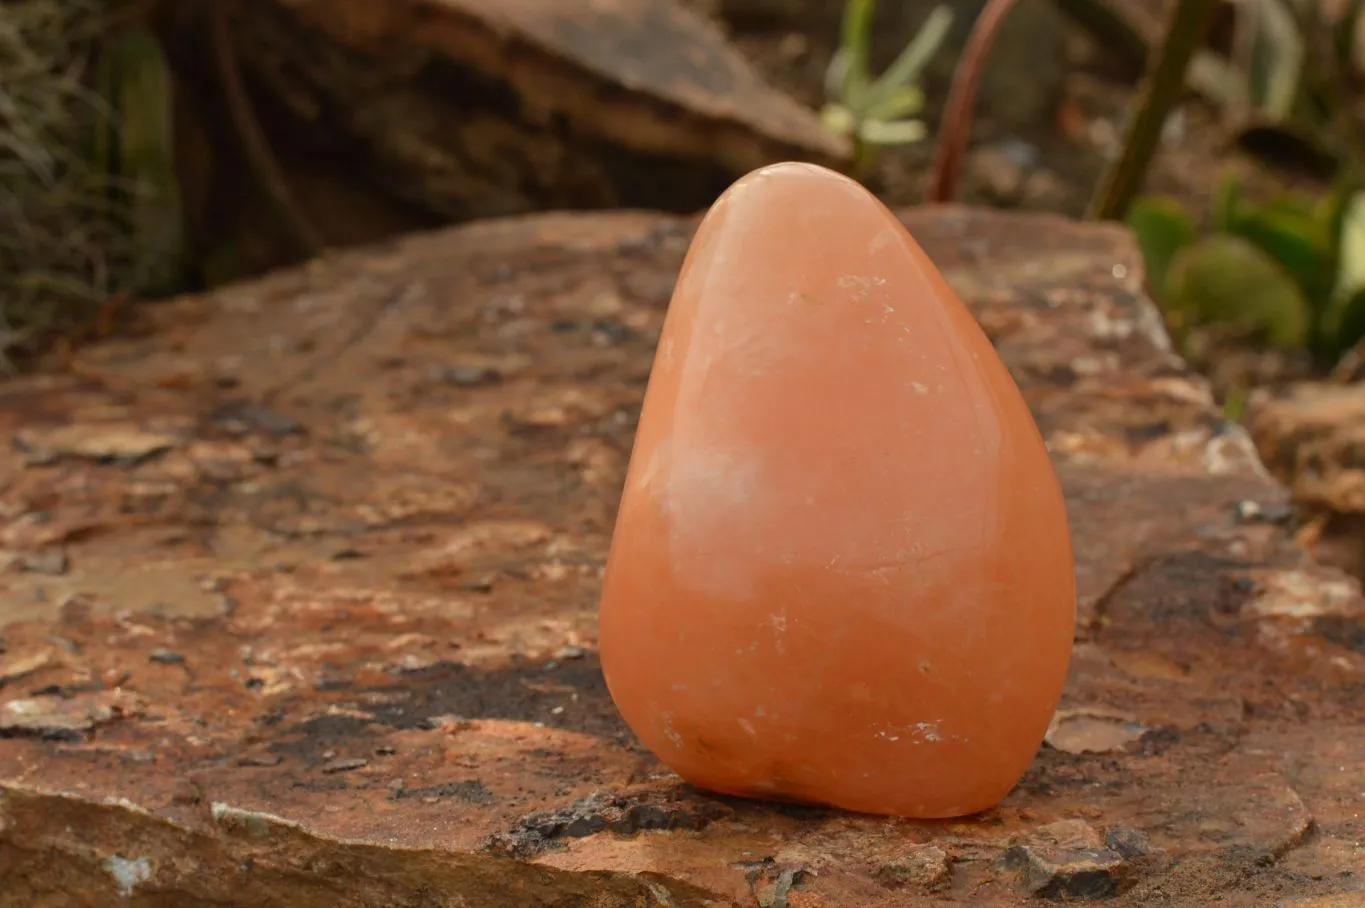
(472, 108)
(384, 118)
(1311, 435)
(301, 584)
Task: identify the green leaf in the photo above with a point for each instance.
(1276, 59)
(912, 60)
(1289, 207)
(1297, 239)
(854, 38)
(897, 132)
(146, 157)
(1229, 280)
(904, 102)
(838, 119)
(1350, 276)
(1220, 81)
(1332, 208)
(1347, 324)
(1163, 227)
(1227, 201)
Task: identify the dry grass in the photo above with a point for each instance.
(64, 247)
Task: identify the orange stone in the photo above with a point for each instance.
(841, 571)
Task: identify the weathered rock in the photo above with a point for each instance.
(1078, 731)
(925, 867)
(1066, 860)
(1312, 435)
(459, 109)
(381, 588)
(59, 718)
(113, 854)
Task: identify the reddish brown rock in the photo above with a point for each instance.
(338, 550)
(399, 115)
(1312, 435)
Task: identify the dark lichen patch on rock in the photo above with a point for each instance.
(1162, 591)
(311, 740)
(571, 695)
(471, 792)
(620, 814)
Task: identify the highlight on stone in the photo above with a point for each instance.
(842, 571)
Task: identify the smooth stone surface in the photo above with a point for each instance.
(841, 571)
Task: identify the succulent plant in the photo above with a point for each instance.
(879, 111)
(1290, 270)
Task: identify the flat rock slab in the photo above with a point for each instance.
(300, 581)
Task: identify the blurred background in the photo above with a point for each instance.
(152, 148)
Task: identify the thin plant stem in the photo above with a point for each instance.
(1161, 88)
(955, 130)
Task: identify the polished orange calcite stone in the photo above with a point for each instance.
(841, 571)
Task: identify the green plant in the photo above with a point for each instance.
(1291, 74)
(136, 148)
(879, 112)
(1165, 80)
(1170, 66)
(1265, 75)
(1288, 272)
(87, 191)
(955, 128)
